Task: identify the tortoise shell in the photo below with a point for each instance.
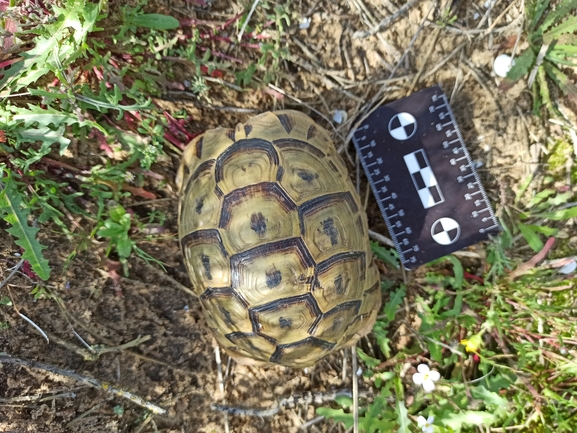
(275, 240)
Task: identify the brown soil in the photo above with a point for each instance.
(329, 70)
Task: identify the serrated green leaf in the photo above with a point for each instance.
(35, 115)
(402, 417)
(57, 45)
(25, 236)
(561, 11)
(561, 79)
(489, 397)
(522, 65)
(337, 414)
(531, 237)
(567, 26)
(458, 420)
(369, 360)
(394, 302)
(385, 254)
(155, 21)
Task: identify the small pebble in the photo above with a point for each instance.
(502, 65)
(305, 23)
(359, 371)
(339, 116)
(476, 16)
(569, 268)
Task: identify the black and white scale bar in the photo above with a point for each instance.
(423, 178)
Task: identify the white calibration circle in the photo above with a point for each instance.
(402, 126)
(445, 231)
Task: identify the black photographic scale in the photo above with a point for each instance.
(423, 178)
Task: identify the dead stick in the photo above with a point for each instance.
(104, 386)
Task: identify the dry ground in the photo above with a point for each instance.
(329, 69)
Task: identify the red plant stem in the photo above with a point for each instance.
(230, 21)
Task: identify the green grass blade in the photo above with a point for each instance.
(540, 6)
(561, 80)
(25, 236)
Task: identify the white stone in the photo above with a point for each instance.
(502, 65)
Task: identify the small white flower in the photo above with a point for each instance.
(426, 377)
(426, 425)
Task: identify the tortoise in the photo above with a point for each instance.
(275, 241)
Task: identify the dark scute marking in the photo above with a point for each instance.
(331, 231)
(258, 223)
(286, 122)
(311, 132)
(307, 176)
(263, 189)
(247, 129)
(342, 257)
(233, 337)
(226, 315)
(285, 323)
(296, 245)
(199, 205)
(226, 292)
(308, 299)
(298, 144)
(373, 288)
(333, 166)
(205, 236)
(340, 288)
(206, 265)
(198, 148)
(355, 305)
(185, 170)
(273, 277)
(323, 201)
(279, 174)
(276, 357)
(242, 146)
(230, 133)
(203, 169)
(360, 225)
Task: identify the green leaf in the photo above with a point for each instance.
(561, 11)
(16, 214)
(387, 255)
(457, 420)
(337, 414)
(402, 417)
(489, 397)
(369, 360)
(155, 21)
(559, 215)
(522, 65)
(568, 26)
(539, 197)
(394, 302)
(531, 237)
(547, 231)
(57, 45)
(562, 80)
(537, 11)
(5, 300)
